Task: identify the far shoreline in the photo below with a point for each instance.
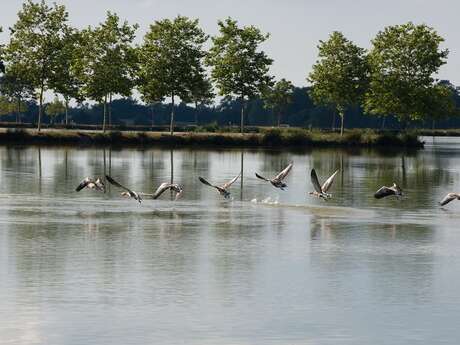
(291, 138)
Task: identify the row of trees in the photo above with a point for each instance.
(394, 78)
(45, 53)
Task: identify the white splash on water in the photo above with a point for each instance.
(266, 201)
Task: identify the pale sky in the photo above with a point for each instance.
(295, 26)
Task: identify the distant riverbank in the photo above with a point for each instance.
(294, 138)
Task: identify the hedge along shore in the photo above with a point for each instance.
(280, 138)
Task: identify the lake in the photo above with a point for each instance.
(267, 267)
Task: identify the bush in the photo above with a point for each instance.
(272, 137)
(297, 137)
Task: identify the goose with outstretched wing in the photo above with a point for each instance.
(389, 191)
(127, 192)
(277, 181)
(163, 188)
(321, 191)
(449, 197)
(93, 184)
(222, 189)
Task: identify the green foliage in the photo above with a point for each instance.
(402, 61)
(238, 67)
(6, 106)
(339, 77)
(15, 86)
(68, 80)
(55, 108)
(171, 61)
(35, 43)
(109, 61)
(278, 97)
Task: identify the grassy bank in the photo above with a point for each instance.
(439, 132)
(267, 138)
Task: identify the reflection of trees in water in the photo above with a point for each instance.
(418, 176)
(40, 258)
(392, 257)
(241, 175)
(235, 246)
(273, 162)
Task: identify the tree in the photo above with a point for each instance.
(439, 101)
(402, 62)
(2, 65)
(200, 93)
(16, 89)
(35, 42)
(110, 61)
(278, 97)
(239, 67)
(69, 79)
(55, 108)
(339, 76)
(170, 59)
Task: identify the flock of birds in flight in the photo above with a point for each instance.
(320, 191)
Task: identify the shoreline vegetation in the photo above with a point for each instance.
(273, 138)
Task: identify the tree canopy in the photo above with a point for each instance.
(238, 66)
(110, 60)
(278, 97)
(171, 61)
(339, 77)
(35, 43)
(403, 60)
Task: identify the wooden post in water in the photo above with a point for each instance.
(172, 173)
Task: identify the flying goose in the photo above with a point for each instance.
(277, 181)
(164, 187)
(321, 191)
(90, 183)
(387, 191)
(223, 188)
(449, 197)
(128, 192)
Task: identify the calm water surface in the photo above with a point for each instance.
(268, 267)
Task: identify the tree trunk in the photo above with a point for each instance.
(18, 110)
(40, 108)
(66, 111)
(433, 124)
(105, 114)
(242, 115)
(110, 110)
(171, 125)
(383, 122)
(279, 118)
(196, 113)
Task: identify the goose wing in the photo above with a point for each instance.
(326, 185)
(202, 180)
(229, 183)
(262, 178)
(83, 184)
(383, 192)
(282, 175)
(315, 182)
(448, 198)
(119, 185)
(161, 189)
